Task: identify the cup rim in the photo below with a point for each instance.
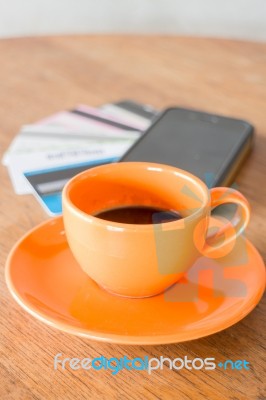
(118, 226)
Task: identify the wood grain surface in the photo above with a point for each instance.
(39, 76)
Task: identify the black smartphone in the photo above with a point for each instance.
(210, 146)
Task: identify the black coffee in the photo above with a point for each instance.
(139, 215)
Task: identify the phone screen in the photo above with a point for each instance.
(204, 144)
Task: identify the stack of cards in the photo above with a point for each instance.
(45, 155)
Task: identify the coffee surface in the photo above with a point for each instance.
(139, 215)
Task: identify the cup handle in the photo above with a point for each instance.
(222, 241)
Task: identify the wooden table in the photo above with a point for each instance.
(39, 76)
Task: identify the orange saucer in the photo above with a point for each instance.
(47, 282)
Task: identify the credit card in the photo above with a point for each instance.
(45, 155)
(63, 154)
(48, 183)
(62, 131)
(136, 113)
(76, 123)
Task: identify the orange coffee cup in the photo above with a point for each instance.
(138, 260)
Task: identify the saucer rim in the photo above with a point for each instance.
(121, 339)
